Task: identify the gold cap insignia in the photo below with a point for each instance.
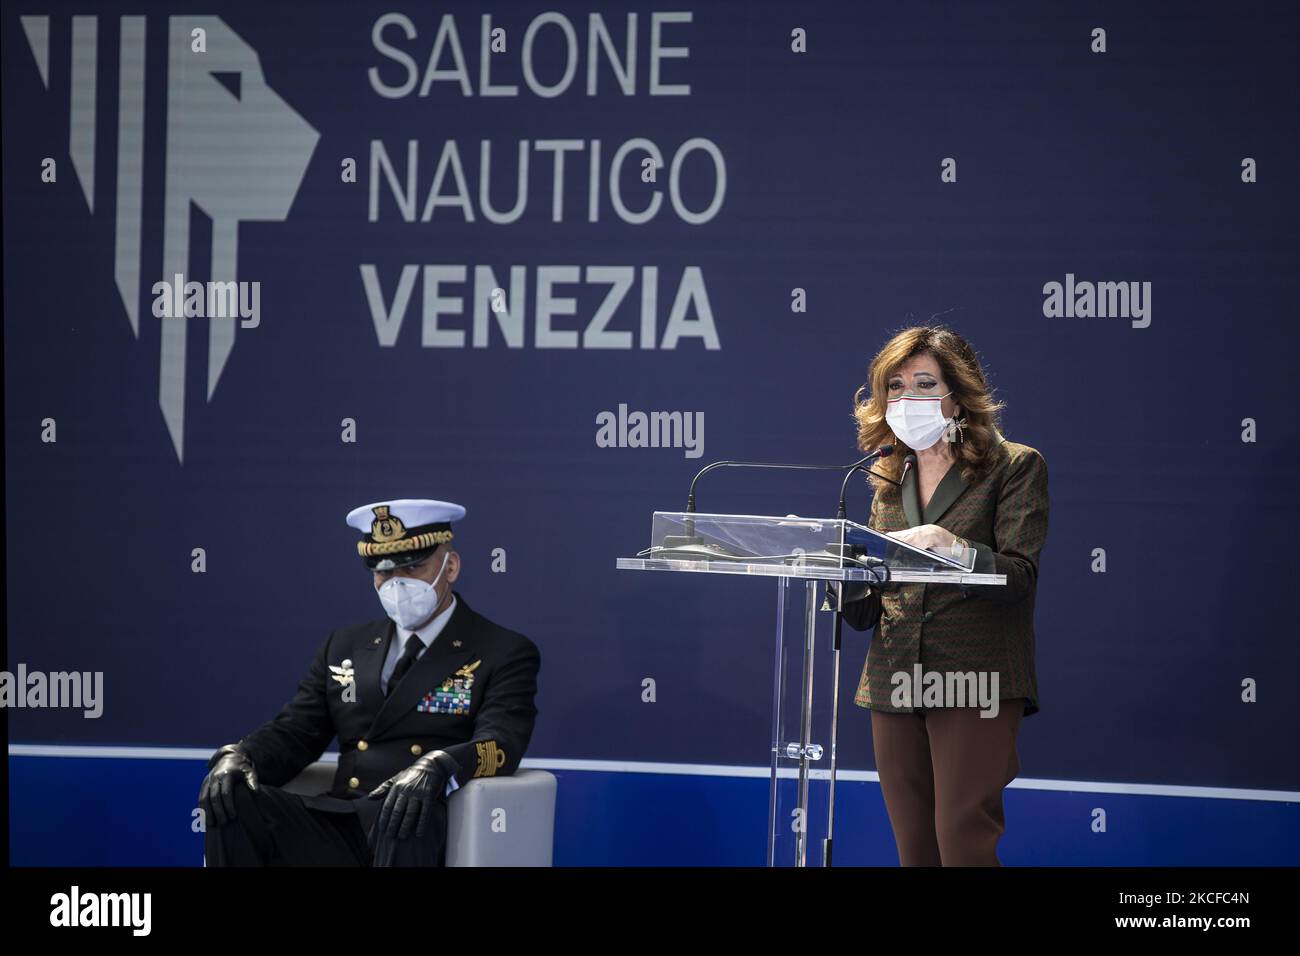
(386, 527)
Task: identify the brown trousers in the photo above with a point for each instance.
(942, 771)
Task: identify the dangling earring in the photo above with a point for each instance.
(956, 430)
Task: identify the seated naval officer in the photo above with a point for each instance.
(422, 702)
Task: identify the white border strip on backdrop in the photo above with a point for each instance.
(695, 769)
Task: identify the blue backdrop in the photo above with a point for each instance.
(378, 368)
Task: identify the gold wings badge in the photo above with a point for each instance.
(343, 673)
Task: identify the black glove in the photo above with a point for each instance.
(409, 802)
(228, 766)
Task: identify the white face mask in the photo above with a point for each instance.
(917, 420)
(409, 601)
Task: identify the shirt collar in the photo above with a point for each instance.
(430, 631)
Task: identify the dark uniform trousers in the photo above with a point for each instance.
(275, 828)
(942, 772)
(471, 695)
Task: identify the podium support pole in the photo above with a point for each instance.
(806, 719)
(835, 726)
(778, 672)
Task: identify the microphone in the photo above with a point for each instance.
(884, 451)
(691, 538)
(908, 463)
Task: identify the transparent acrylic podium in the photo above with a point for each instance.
(802, 555)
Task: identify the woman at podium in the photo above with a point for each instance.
(950, 670)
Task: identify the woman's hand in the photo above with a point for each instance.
(926, 536)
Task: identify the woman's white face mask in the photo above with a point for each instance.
(917, 420)
(410, 601)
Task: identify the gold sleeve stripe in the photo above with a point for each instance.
(369, 549)
(491, 758)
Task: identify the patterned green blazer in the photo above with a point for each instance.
(961, 628)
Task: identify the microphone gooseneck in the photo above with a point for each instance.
(883, 451)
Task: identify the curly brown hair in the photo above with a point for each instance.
(963, 374)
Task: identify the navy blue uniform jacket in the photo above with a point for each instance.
(470, 694)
